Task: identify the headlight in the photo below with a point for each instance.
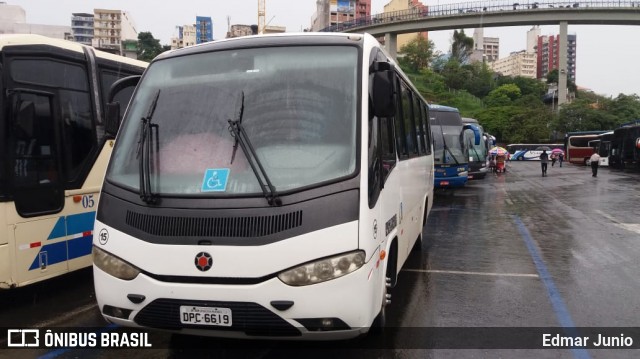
(323, 270)
(113, 265)
(463, 174)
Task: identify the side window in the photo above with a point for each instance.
(407, 120)
(419, 120)
(71, 83)
(426, 125)
(388, 145)
(401, 138)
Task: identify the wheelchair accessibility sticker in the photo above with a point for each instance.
(215, 180)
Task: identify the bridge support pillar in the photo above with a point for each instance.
(563, 71)
(391, 44)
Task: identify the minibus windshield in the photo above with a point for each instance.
(298, 108)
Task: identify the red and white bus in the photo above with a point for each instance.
(577, 147)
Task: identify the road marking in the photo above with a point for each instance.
(559, 307)
(631, 227)
(473, 273)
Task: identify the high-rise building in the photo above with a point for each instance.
(485, 49)
(405, 5)
(548, 53)
(110, 28)
(520, 63)
(186, 37)
(204, 29)
(333, 12)
(82, 28)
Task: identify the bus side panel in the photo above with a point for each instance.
(5, 252)
(40, 249)
(414, 186)
(80, 229)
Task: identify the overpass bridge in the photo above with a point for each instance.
(497, 14)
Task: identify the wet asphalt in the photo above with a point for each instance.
(514, 250)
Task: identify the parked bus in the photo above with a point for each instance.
(54, 152)
(602, 145)
(625, 147)
(275, 186)
(451, 151)
(477, 153)
(529, 151)
(577, 148)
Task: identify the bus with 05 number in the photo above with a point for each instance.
(264, 187)
(54, 152)
(451, 150)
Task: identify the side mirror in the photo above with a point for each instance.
(382, 90)
(112, 118)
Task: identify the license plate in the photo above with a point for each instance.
(205, 316)
(444, 183)
(470, 177)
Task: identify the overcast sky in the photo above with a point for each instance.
(607, 56)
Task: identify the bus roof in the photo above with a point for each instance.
(580, 133)
(32, 39)
(312, 38)
(434, 107)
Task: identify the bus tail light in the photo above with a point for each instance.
(323, 270)
(113, 265)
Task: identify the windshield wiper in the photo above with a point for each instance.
(240, 135)
(144, 152)
(444, 145)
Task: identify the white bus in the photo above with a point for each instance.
(54, 152)
(262, 187)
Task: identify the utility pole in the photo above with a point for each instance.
(261, 16)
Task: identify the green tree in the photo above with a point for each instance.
(503, 95)
(625, 108)
(462, 46)
(418, 53)
(148, 46)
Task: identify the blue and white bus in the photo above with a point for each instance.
(451, 151)
(529, 151)
(264, 187)
(478, 168)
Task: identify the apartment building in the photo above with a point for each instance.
(404, 5)
(110, 28)
(333, 12)
(186, 37)
(548, 53)
(485, 49)
(204, 29)
(521, 63)
(82, 28)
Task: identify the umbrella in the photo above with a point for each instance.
(543, 148)
(557, 151)
(498, 151)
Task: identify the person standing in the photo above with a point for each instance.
(595, 162)
(544, 161)
(560, 158)
(553, 159)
